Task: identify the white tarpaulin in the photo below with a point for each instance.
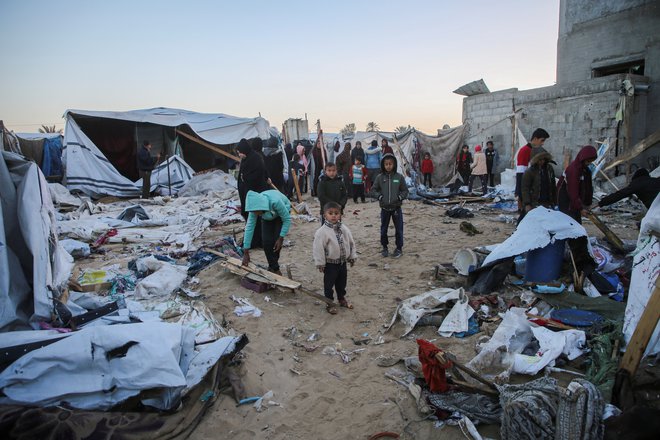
(33, 266)
(540, 227)
(88, 170)
(646, 268)
(100, 366)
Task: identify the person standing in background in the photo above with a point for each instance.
(463, 163)
(492, 161)
(146, 163)
(344, 164)
(522, 160)
(479, 170)
(373, 154)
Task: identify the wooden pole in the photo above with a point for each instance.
(297, 186)
(611, 236)
(643, 332)
(203, 143)
(631, 153)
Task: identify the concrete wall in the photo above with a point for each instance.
(574, 115)
(599, 33)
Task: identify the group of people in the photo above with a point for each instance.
(267, 211)
(483, 165)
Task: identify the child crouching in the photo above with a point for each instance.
(334, 247)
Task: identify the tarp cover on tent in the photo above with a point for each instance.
(32, 263)
(89, 170)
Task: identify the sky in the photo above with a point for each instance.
(391, 62)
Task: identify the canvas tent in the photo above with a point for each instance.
(100, 147)
(409, 148)
(33, 266)
(45, 149)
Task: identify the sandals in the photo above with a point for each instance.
(344, 303)
(331, 309)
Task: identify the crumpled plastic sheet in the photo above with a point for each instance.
(540, 227)
(164, 280)
(245, 307)
(514, 333)
(411, 310)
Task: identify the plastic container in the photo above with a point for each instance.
(544, 264)
(466, 260)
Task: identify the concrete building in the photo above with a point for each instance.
(608, 60)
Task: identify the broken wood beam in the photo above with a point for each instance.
(611, 236)
(642, 145)
(208, 145)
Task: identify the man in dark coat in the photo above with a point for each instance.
(146, 163)
(344, 164)
(251, 177)
(642, 185)
(538, 182)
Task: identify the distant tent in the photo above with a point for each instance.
(45, 149)
(100, 148)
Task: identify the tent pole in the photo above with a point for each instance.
(203, 143)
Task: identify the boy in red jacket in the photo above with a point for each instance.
(427, 169)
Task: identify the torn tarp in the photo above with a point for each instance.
(99, 367)
(411, 310)
(540, 227)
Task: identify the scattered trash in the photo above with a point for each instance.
(245, 307)
(469, 229)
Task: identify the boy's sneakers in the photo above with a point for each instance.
(385, 252)
(397, 253)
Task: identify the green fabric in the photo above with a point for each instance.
(604, 306)
(274, 204)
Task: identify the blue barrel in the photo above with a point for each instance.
(544, 264)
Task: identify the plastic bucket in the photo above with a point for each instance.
(466, 260)
(544, 264)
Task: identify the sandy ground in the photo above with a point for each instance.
(330, 399)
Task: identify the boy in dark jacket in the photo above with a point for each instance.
(390, 189)
(331, 187)
(538, 182)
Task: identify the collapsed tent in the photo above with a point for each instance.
(100, 148)
(34, 268)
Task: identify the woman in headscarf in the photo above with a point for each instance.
(300, 150)
(344, 164)
(251, 177)
(574, 189)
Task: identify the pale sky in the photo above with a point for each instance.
(392, 62)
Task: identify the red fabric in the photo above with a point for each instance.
(477, 148)
(427, 166)
(387, 150)
(433, 369)
(524, 155)
(578, 179)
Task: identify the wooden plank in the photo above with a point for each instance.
(272, 278)
(642, 145)
(611, 236)
(295, 183)
(203, 143)
(643, 332)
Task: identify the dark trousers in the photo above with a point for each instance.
(347, 184)
(335, 275)
(427, 176)
(491, 178)
(465, 175)
(484, 181)
(270, 232)
(372, 173)
(146, 183)
(397, 217)
(358, 191)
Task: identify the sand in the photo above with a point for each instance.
(331, 399)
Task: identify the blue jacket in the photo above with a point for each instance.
(372, 157)
(274, 204)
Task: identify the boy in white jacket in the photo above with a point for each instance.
(334, 247)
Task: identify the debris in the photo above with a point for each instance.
(245, 307)
(469, 229)
(459, 212)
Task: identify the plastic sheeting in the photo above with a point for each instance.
(99, 367)
(540, 227)
(501, 354)
(411, 310)
(33, 266)
(646, 268)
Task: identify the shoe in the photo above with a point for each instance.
(397, 253)
(385, 252)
